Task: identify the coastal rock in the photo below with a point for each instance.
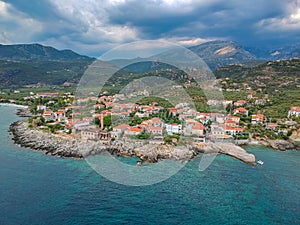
(281, 145)
(228, 149)
(76, 148)
(24, 112)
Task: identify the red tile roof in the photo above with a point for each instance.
(121, 126)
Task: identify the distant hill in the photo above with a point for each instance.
(276, 53)
(215, 54)
(220, 53)
(16, 74)
(33, 63)
(25, 52)
(276, 72)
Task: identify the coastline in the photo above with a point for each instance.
(57, 145)
(280, 145)
(76, 148)
(14, 105)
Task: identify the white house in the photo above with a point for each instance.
(294, 111)
(173, 128)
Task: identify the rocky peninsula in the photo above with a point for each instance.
(77, 148)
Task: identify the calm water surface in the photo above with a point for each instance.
(40, 189)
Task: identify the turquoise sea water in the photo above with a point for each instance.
(40, 189)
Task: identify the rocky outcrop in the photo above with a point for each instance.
(228, 149)
(24, 112)
(153, 153)
(281, 145)
(78, 148)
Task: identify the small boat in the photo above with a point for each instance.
(260, 162)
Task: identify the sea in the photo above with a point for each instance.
(40, 189)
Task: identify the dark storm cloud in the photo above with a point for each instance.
(93, 24)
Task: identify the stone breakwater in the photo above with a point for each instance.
(71, 147)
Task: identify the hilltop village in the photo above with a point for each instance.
(111, 118)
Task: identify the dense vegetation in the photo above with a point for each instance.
(280, 80)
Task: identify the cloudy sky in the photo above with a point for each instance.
(93, 26)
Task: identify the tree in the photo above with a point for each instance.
(97, 121)
(135, 121)
(107, 121)
(143, 136)
(228, 108)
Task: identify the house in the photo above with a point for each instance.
(119, 130)
(60, 115)
(154, 130)
(231, 123)
(198, 129)
(217, 130)
(258, 119)
(123, 114)
(294, 111)
(156, 109)
(272, 126)
(241, 111)
(173, 128)
(141, 115)
(155, 122)
(239, 103)
(220, 119)
(225, 103)
(90, 134)
(131, 131)
(173, 111)
(193, 127)
(94, 134)
(208, 116)
(233, 130)
(174, 140)
(236, 119)
(49, 116)
(260, 102)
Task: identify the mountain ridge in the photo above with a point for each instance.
(27, 52)
(25, 64)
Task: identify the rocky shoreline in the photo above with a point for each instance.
(280, 145)
(76, 148)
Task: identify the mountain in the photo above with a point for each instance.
(25, 52)
(215, 54)
(17, 74)
(33, 63)
(220, 53)
(276, 53)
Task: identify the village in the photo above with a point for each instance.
(108, 119)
